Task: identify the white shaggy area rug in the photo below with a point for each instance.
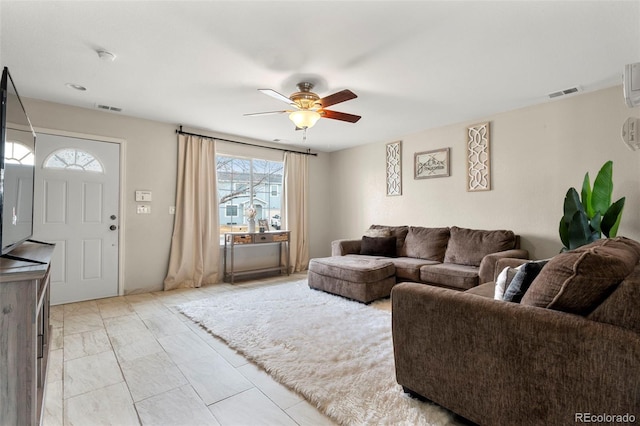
(336, 353)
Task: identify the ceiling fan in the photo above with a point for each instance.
(308, 107)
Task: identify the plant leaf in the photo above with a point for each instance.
(603, 188)
(572, 204)
(596, 223)
(579, 231)
(611, 219)
(586, 196)
(564, 233)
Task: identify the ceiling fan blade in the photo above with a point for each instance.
(265, 113)
(342, 116)
(336, 98)
(276, 95)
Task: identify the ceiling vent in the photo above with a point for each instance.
(108, 108)
(564, 92)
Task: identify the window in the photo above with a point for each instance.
(17, 153)
(73, 159)
(243, 182)
(232, 210)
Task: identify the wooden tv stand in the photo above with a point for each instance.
(24, 332)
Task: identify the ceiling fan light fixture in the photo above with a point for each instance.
(304, 119)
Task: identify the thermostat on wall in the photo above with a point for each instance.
(143, 195)
(631, 133)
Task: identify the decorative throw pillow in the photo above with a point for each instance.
(578, 281)
(400, 232)
(382, 246)
(469, 246)
(504, 279)
(522, 281)
(377, 233)
(426, 243)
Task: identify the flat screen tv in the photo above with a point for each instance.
(17, 167)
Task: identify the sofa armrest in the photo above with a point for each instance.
(503, 363)
(344, 247)
(487, 271)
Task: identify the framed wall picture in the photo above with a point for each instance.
(263, 223)
(431, 164)
(394, 168)
(478, 158)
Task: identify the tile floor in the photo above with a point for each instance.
(135, 360)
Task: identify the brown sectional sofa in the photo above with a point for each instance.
(570, 350)
(457, 258)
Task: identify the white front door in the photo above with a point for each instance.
(76, 206)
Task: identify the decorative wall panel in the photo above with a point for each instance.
(394, 168)
(430, 164)
(478, 158)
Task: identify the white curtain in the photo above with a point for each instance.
(295, 217)
(195, 245)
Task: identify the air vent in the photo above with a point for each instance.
(108, 108)
(564, 92)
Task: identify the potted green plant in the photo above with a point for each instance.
(590, 215)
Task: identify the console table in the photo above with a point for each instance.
(24, 332)
(234, 239)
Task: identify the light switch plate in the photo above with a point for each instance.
(143, 195)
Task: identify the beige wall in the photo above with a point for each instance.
(150, 164)
(537, 153)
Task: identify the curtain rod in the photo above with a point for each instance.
(180, 131)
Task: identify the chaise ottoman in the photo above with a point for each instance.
(364, 280)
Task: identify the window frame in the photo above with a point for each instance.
(75, 166)
(256, 174)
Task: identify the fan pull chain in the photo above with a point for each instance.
(304, 134)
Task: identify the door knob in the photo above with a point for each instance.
(113, 227)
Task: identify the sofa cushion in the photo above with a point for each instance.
(382, 246)
(377, 233)
(408, 268)
(485, 290)
(400, 232)
(426, 243)
(621, 307)
(577, 281)
(347, 268)
(461, 277)
(469, 246)
(522, 281)
(624, 242)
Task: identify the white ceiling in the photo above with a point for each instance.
(414, 65)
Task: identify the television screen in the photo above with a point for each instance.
(17, 148)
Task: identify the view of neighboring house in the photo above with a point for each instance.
(236, 177)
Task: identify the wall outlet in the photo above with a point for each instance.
(143, 209)
(172, 209)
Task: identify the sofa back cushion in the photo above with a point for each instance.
(469, 246)
(377, 233)
(400, 232)
(426, 243)
(621, 307)
(578, 281)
